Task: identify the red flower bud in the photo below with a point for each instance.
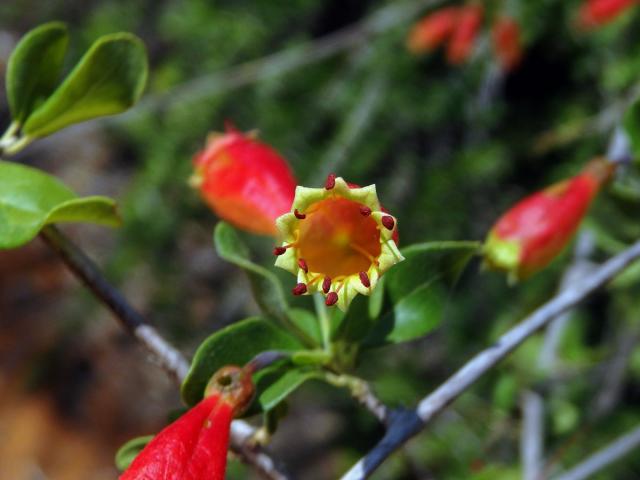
(195, 446)
(465, 33)
(506, 42)
(244, 181)
(534, 232)
(430, 32)
(594, 13)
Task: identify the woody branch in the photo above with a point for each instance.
(166, 355)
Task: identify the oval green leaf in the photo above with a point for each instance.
(31, 199)
(233, 345)
(266, 287)
(417, 290)
(130, 450)
(282, 383)
(109, 79)
(34, 68)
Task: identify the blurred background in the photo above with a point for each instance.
(331, 85)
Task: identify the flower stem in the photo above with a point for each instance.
(325, 324)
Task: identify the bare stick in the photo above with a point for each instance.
(603, 458)
(531, 446)
(406, 424)
(169, 358)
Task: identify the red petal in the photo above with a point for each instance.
(193, 447)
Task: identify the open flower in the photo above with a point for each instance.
(244, 181)
(337, 241)
(535, 231)
(194, 447)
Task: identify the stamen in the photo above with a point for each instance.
(303, 265)
(299, 216)
(326, 285)
(365, 211)
(363, 252)
(279, 251)
(331, 181)
(299, 289)
(332, 299)
(388, 222)
(364, 278)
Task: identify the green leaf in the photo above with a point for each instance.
(306, 322)
(31, 199)
(34, 68)
(281, 384)
(130, 450)
(109, 79)
(266, 287)
(233, 345)
(418, 289)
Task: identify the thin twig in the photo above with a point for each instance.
(362, 392)
(604, 457)
(406, 424)
(169, 358)
(531, 444)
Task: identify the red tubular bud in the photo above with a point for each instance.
(331, 181)
(299, 289)
(195, 446)
(332, 299)
(364, 278)
(326, 285)
(506, 42)
(244, 181)
(465, 33)
(279, 251)
(430, 32)
(536, 230)
(594, 13)
(388, 222)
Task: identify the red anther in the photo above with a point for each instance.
(299, 289)
(299, 216)
(365, 211)
(303, 265)
(364, 278)
(331, 181)
(279, 251)
(326, 284)
(388, 222)
(332, 299)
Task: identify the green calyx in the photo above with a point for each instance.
(502, 255)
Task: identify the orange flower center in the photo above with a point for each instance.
(337, 240)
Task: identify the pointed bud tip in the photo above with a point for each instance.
(277, 251)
